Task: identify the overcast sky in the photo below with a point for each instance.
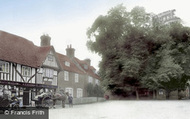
(66, 21)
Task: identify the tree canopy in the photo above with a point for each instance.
(137, 53)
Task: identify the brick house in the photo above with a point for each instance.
(25, 69)
(76, 74)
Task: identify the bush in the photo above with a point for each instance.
(94, 90)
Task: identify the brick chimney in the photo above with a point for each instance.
(45, 40)
(70, 51)
(88, 61)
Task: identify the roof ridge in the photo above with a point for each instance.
(20, 50)
(19, 37)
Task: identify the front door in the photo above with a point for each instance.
(26, 97)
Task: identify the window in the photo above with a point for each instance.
(67, 64)
(4, 67)
(161, 92)
(69, 90)
(85, 66)
(1, 90)
(97, 81)
(66, 75)
(26, 71)
(79, 92)
(94, 70)
(90, 80)
(48, 72)
(50, 57)
(76, 78)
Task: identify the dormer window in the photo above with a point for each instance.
(94, 70)
(67, 64)
(85, 66)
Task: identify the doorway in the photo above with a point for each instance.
(26, 97)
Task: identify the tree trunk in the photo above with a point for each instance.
(97, 97)
(154, 94)
(137, 94)
(168, 94)
(178, 94)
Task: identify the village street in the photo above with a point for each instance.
(125, 110)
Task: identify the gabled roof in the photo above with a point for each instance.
(72, 68)
(89, 70)
(19, 50)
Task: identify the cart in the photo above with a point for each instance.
(43, 100)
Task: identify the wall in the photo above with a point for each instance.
(84, 100)
(62, 84)
(51, 60)
(173, 95)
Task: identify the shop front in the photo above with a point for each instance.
(24, 91)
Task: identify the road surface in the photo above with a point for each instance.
(125, 110)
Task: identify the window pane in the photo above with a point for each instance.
(4, 67)
(76, 77)
(66, 76)
(48, 72)
(50, 57)
(1, 68)
(26, 71)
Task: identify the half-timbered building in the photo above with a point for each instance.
(25, 68)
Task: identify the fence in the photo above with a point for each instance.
(84, 100)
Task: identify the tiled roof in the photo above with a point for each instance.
(72, 68)
(90, 70)
(19, 50)
(22, 51)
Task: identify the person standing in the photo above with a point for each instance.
(70, 98)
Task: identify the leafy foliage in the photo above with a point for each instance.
(94, 90)
(136, 53)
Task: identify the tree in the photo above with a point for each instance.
(138, 54)
(119, 39)
(98, 92)
(168, 67)
(89, 89)
(169, 73)
(94, 90)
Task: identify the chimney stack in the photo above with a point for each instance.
(88, 61)
(70, 51)
(45, 40)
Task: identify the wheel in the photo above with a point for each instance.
(5, 103)
(47, 102)
(15, 106)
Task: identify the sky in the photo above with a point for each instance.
(67, 21)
